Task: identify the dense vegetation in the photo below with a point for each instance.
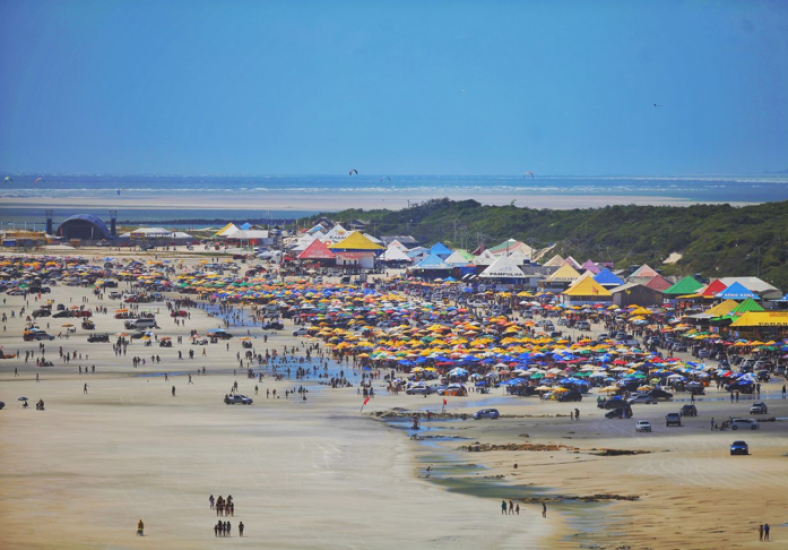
(715, 240)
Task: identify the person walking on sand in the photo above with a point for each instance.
(544, 510)
(85, 390)
(140, 528)
(517, 509)
(766, 531)
(211, 501)
(241, 529)
(760, 532)
(503, 507)
(190, 380)
(511, 507)
(577, 414)
(173, 391)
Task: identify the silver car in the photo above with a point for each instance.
(744, 424)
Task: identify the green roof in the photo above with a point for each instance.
(687, 285)
(747, 305)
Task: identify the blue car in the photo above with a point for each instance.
(739, 448)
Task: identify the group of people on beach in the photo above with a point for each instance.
(224, 507)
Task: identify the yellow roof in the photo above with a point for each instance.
(355, 241)
(565, 273)
(723, 308)
(762, 319)
(588, 287)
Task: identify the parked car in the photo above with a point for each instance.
(571, 395)
(419, 390)
(744, 424)
(37, 335)
(673, 419)
(237, 399)
(759, 407)
(98, 338)
(643, 426)
(300, 332)
(624, 412)
(641, 398)
(614, 403)
(486, 413)
(739, 448)
(689, 410)
(660, 394)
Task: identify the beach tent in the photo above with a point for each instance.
(316, 229)
(737, 292)
(485, 258)
(478, 250)
(721, 309)
(564, 274)
(555, 261)
(756, 285)
(440, 250)
(656, 283)
(431, 262)
(418, 252)
(460, 257)
(246, 226)
(636, 294)
(592, 267)
(355, 241)
(395, 254)
(746, 306)
(606, 278)
(502, 268)
(510, 246)
(572, 262)
(688, 285)
(758, 319)
(396, 244)
(712, 289)
(317, 250)
(227, 230)
(644, 271)
(518, 258)
(588, 290)
(336, 234)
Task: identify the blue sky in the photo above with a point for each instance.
(400, 87)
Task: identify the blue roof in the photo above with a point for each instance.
(246, 226)
(440, 249)
(607, 277)
(432, 262)
(737, 291)
(90, 218)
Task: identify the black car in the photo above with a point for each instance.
(98, 338)
(741, 387)
(62, 314)
(571, 395)
(689, 410)
(658, 394)
(619, 413)
(616, 403)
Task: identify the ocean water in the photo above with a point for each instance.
(694, 189)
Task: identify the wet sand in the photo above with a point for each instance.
(334, 202)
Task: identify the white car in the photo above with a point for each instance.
(643, 426)
(237, 399)
(744, 424)
(419, 390)
(300, 332)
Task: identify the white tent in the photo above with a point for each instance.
(502, 268)
(485, 258)
(395, 254)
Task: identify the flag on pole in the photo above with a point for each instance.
(365, 403)
(444, 405)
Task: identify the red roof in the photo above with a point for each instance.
(659, 283)
(714, 288)
(316, 251)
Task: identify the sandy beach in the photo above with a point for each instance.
(320, 474)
